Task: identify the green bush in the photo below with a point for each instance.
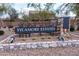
(1, 32)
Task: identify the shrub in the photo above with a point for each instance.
(23, 39)
(72, 29)
(42, 38)
(49, 37)
(33, 39)
(10, 26)
(4, 27)
(78, 28)
(1, 32)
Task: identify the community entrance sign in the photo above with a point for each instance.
(26, 30)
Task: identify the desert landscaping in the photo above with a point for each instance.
(44, 31)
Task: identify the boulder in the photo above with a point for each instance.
(34, 46)
(11, 47)
(45, 45)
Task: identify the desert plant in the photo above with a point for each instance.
(72, 29)
(49, 37)
(10, 26)
(42, 38)
(23, 39)
(33, 39)
(1, 32)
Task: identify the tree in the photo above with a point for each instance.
(6, 8)
(69, 7)
(36, 6)
(63, 7)
(25, 17)
(12, 13)
(49, 6)
(42, 13)
(75, 8)
(3, 8)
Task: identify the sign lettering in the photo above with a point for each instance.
(25, 30)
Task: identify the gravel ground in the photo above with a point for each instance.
(36, 39)
(6, 34)
(68, 51)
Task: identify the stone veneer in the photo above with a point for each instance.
(14, 46)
